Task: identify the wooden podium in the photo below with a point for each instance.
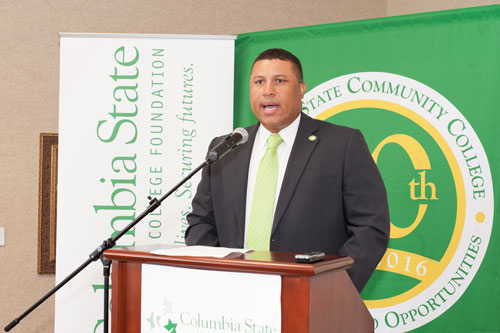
(317, 297)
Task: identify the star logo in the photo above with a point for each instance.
(171, 327)
(167, 307)
(151, 320)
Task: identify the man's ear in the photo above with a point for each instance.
(302, 87)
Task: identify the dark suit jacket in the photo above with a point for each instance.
(332, 199)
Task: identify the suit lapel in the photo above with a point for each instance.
(237, 172)
(299, 156)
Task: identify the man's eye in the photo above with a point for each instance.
(280, 80)
(259, 81)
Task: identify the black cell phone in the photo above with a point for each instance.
(310, 257)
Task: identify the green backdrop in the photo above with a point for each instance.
(456, 54)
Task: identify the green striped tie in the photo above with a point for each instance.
(264, 194)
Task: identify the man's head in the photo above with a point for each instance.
(276, 89)
(284, 55)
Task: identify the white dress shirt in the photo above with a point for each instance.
(288, 135)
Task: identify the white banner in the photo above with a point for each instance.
(136, 115)
(197, 301)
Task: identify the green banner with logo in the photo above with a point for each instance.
(424, 90)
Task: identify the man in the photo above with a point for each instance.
(327, 192)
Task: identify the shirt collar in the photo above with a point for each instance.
(287, 134)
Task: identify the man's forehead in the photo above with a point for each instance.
(272, 62)
(277, 74)
(281, 67)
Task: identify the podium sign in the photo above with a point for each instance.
(197, 300)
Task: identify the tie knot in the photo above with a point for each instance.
(273, 141)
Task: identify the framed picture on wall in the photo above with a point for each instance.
(47, 204)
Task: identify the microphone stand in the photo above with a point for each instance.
(109, 243)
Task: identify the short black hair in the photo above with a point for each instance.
(281, 54)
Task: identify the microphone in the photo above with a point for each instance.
(239, 136)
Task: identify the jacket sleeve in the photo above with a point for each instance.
(202, 229)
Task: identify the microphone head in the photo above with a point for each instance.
(244, 134)
(239, 136)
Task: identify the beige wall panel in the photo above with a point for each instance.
(401, 7)
(29, 79)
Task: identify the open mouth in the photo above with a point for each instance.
(270, 107)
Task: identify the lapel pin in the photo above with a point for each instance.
(312, 138)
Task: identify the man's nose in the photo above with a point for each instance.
(269, 89)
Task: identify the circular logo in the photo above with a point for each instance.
(439, 189)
